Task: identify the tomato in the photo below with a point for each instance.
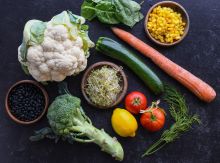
(135, 101)
(153, 118)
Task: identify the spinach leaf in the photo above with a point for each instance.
(105, 11)
(128, 12)
(88, 10)
(112, 11)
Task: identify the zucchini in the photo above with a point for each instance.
(117, 51)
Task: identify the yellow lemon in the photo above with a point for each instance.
(124, 123)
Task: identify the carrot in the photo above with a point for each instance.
(201, 89)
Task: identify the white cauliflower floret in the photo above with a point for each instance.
(57, 56)
(52, 50)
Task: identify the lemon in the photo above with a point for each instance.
(124, 123)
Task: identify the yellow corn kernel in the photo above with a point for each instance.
(165, 25)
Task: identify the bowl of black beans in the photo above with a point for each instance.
(26, 102)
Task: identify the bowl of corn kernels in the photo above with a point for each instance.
(167, 23)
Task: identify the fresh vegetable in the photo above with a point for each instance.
(112, 11)
(124, 123)
(68, 121)
(201, 89)
(117, 51)
(52, 50)
(165, 25)
(135, 101)
(183, 120)
(153, 118)
(103, 86)
(26, 102)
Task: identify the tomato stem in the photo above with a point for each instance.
(136, 101)
(153, 106)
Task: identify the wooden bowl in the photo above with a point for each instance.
(43, 112)
(123, 83)
(176, 7)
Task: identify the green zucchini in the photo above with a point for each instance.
(117, 51)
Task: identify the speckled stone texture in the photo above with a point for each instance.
(199, 53)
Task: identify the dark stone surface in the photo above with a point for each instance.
(199, 53)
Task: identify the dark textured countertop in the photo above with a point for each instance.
(198, 53)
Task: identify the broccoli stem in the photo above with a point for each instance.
(107, 143)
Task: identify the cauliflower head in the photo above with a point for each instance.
(53, 50)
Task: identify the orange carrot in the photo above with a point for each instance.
(201, 89)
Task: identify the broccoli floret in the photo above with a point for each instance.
(68, 121)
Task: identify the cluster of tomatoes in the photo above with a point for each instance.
(152, 118)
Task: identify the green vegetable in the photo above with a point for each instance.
(117, 51)
(183, 120)
(103, 86)
(68, 121)
(112, 11)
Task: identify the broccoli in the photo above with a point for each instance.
(69, 122)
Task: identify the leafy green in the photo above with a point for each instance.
(183, 120)
(69, 122)
(25, 69)
(86, 42)
(84, 27)
(128, 12)
(34, 32)
(112, 11)
(88, 10)
(23, 51)
(105, 12)
(37, 32)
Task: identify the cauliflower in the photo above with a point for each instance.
(53, 50)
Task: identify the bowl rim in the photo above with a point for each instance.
(121, 94)
(15, 119)
(186, 30)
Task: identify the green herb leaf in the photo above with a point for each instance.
(184, 121)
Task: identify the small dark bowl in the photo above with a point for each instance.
(43, 112)
(176, 7)
(123, 83)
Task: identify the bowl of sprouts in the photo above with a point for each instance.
(104, 85)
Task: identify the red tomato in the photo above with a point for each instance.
(153, 119)
(135, 101)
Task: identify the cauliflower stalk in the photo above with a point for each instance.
(53, 50)
(68, 121)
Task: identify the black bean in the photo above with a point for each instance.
(26, 101)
